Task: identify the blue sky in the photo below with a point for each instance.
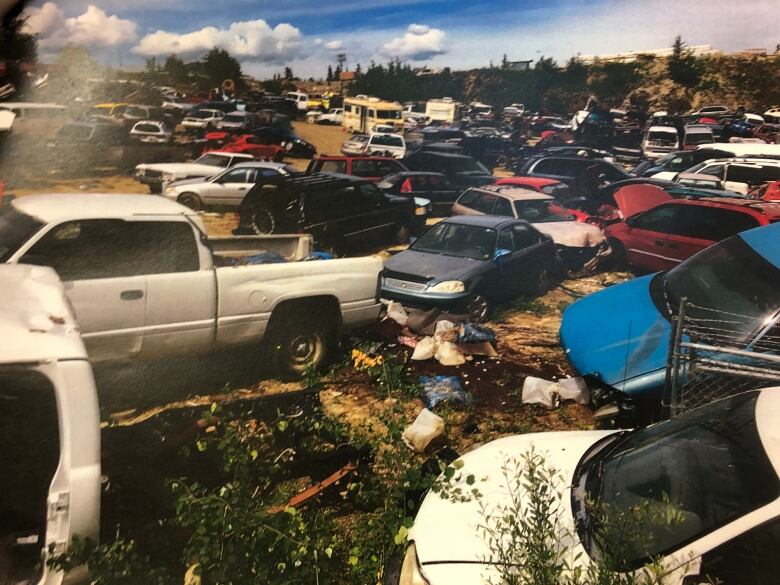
(306, 34)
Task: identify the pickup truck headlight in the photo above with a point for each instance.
(448, 286)
(410, 570)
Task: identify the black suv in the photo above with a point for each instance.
(340, 211)
(461, 170)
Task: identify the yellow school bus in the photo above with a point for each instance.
(362, 113)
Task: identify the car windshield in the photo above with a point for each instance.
(728, 281)
(698, 138)
(388, 114)
(555, 189)
(463, 241)
(213, 160)
(135, 112)
(15, 229)
(386, 140)
(663, 137)
(235, 118)
(202, 114)
(541, 211)
(469, 165)
(675, 481)
(388, 181)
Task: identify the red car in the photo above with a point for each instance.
(245, 144)
(669, 231)
(550, 187)
(372, 168)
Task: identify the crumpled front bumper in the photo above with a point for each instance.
(582, 261)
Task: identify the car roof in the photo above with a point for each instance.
(439, 154)
(226, 153)
(764, 240)
(36, 322)
(532, 181)
(514, 193)
(745, 159)
(57, 207)
(770, 209)
(258, 165)
(488, 221)
(354, 157)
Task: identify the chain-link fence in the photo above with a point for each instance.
(714, 354)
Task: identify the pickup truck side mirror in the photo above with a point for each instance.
(500, 253)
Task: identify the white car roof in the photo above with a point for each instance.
(515, 193)
(228, 154)
(669, 129)
(58, 207)
(36, 322)
(258, 165)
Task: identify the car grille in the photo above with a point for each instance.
(152, 174)
(404, 284)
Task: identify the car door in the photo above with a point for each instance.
(372, 215)
(99, 265)
(530, 256)
(181, 299)
(366, 169)
(442, 192)
(229, 188)
(645, 239)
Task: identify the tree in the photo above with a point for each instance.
(15, 44)
(175, 68)
(288, 74)
(504, 62)
(357, 69)
(329, 78)
(218, 65)
(683, 67)
(151, 64)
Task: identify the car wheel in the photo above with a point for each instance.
(299, 343)
(543, 282)
(478, 308)
(402, 234)
(191, 200)
(263, 221)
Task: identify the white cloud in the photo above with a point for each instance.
(419, 43)
(93, 28)
(252, 40)
(334, 45)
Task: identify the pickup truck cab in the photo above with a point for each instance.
(158, 175)
(50, 483)
(146, 282)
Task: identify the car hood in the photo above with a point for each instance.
(575, 234)
(639, 197)
(188, 182)
(619, 336)
(431, 266)
(182, 168)
(447, 534)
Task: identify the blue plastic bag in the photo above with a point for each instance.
(476, 334)
(435, 389)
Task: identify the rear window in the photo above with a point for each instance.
(148, 128)
(387, 140)
(333, 166)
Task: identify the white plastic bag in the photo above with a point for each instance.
(425, 349)
(574, 389)
(538, 391)
(448, 354)
(425, 428)
(445, 330)
(397, 313)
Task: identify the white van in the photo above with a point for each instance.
(50, 451)
(386, 143)
(746, 148)
(301, 99)
(660, 140)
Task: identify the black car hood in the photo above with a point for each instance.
(423, 267)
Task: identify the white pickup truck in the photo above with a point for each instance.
(50, 437)
(146, 282)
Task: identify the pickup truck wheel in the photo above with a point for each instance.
(297, 344)
(263, 221)
(190, 200)
(402, 234)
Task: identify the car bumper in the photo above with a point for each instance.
(423, 300)
(147, 180)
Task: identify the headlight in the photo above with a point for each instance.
(167, 177)
(410, 570)
(420, 210)
(448, 286)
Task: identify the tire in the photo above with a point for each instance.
(543, 282)
(155, 188)
(402, 233)
(295, 342)
(263, 221)
(191, 200)
(478, 308)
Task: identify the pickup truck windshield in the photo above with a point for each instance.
(665, 471)
(15, 229)
(463, 241)
(730, 278)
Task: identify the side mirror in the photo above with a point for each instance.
(500, 253)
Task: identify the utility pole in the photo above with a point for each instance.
(341, 58)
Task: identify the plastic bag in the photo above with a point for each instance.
(471, 333)
(445, 331)
(538, 391)
(448, 354)
(261, 258)
(425, 349)
(574, 389)
(425, 428)
(435, 389)
(397, 313)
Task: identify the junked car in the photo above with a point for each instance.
(228, 188)
(468, 263)
(51, 461)
(151, 132)
(356, 144)
(580, 247)
(714, 470)
(332, 116)
(147, 283)
(660, 140)
(157, 175)
(461, 170)
(202, 119)
(372, 168)
(618, 338)
(387, 144)
(432, 186)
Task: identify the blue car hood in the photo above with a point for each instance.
(431, 266)
(618, 336)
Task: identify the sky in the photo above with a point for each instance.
(306, 35)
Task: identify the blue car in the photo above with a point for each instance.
(618, 338)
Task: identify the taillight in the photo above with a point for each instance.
(407, 186)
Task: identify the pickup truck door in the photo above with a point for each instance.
(181, 302)
(99, 269)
